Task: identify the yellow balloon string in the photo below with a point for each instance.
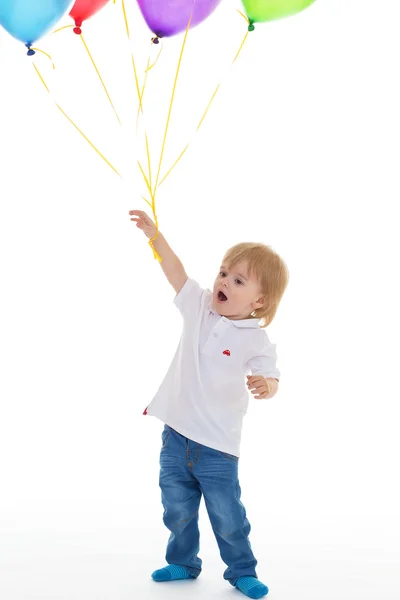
(148, 162)
(174, 165)
(140, 96)
(241, 46)
(41, 78)
(140, 110)
(95, 67)
(158, 56)
(61, 28)
(171, 104)
(72, 123)
(147, 69)
(45, 53)
(148, 180)
(145, 199)
(100, 77)
(125, 18)
(206, 111)
(244, 16)
(154, 192)
(145, 178)
(132, 57)
(187, 146)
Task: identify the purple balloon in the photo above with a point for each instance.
(168, 17)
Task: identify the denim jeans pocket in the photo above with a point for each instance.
(229, 456)
(165, 436)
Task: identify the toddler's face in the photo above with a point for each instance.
(236, 292)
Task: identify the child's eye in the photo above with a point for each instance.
(222, 274)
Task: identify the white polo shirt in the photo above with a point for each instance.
(204, 396)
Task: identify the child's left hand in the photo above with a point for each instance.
(258, 384)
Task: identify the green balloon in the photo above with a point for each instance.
(269, 10)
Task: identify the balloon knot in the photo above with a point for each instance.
(30, 52)
(251, 26)
(155, 40)
(77, 30)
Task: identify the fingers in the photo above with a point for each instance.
(260, 395)
(256, 383)
(262, 389)
(141, 219)
(143, 222)
(139, 213)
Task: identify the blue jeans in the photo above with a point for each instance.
(188, 470)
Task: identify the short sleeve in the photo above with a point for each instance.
(264, 361)
(189, 296)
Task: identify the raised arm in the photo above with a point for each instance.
(170, 263)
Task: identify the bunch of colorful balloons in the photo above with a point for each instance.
(29, 20)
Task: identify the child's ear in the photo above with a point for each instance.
(261, 300)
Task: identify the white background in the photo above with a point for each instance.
(300, 150)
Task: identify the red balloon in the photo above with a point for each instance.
(83, 9)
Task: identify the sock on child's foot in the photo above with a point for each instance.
(170, 573)
(252, 587)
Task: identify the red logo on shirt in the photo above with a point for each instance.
(227, 352)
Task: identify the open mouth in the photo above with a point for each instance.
(221, 297)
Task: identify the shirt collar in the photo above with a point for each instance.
(241, 323)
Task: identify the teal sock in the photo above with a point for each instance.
(170, 573)
(252, 587)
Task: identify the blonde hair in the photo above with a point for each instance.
(270, 271)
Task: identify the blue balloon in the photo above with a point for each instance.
(29, 20)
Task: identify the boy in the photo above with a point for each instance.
(203, 400)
